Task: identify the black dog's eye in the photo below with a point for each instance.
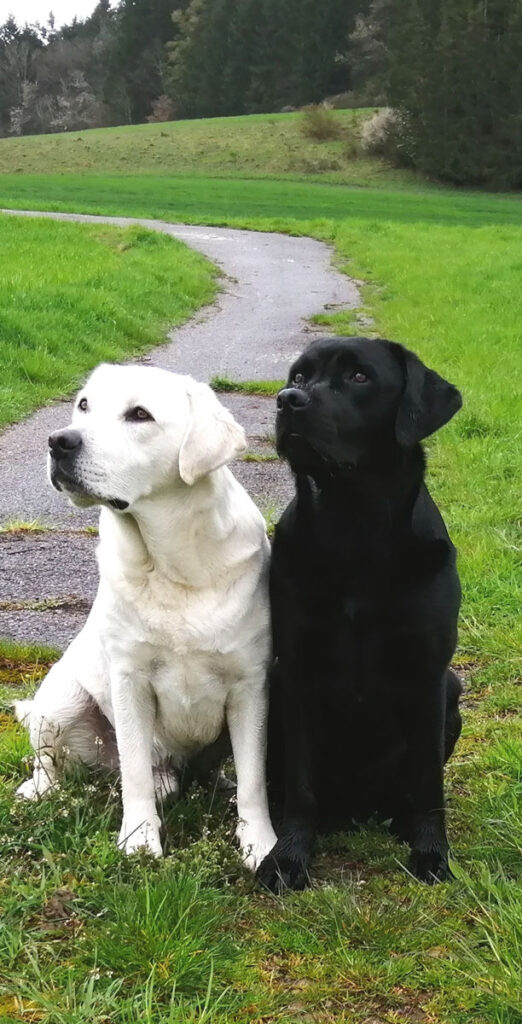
(82, 404)
(138, 414)
(359, 377)
(298, 379)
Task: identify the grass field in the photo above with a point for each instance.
(88, 938)
(72, 295)
(273, 203)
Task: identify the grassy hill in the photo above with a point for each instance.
(261, 145)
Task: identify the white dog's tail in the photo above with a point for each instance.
(23, 710)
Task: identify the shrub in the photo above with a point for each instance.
(163, 109)
(379, 133)
(319, 122)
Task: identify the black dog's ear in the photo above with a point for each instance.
(428, 401)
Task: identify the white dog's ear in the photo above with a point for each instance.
(213, 437)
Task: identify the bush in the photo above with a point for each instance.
(319, 122)
(163, 109)
(379, 133)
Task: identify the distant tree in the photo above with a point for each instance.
(75, 106)
(300, 54)
(21, 115)
(139, 59)
(236, 71)
(97, 34)
(368, 50)
(17, 49)
(456, 77)
(236, 56)
(198, 56)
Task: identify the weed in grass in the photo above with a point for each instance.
(347, 322)
(247, 387)
(23, 526)
(259, 457)
(48, 604)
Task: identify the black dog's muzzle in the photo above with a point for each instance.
(291, 402)
(292, 398)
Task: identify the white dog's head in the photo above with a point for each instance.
(137, 430)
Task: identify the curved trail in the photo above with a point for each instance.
(272, 284)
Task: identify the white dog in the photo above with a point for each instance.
(177, 642)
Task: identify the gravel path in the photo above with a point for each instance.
(271, 285)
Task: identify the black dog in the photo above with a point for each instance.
(365, 597)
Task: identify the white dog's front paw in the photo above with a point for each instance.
(36, 787)
(255, 841)
(138, 833)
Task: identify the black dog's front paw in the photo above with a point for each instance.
(430, 866)
(285, 867)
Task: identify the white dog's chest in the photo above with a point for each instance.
(190, 646)
(187, 623)
(190, 704)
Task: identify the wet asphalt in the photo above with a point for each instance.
(271, 285)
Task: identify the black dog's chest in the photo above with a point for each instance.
(360, 657)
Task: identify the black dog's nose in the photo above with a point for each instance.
(63, 441)
(293, 397)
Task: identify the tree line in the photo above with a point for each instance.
(186, 58)
(451, 68)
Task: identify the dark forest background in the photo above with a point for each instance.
(452, 69)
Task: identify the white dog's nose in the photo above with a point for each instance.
(64, 441)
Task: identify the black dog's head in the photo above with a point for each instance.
(349, 399)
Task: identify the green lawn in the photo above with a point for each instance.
(73, 295)
(88, 938)
(271, 202)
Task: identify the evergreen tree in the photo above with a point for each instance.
(243, 42)
(456, 77)
(139, 60)
(235, 56)
(198, 56)
(368, 53)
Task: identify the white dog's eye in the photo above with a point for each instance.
(137, 414)
(82, 404)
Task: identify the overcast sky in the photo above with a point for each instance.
(38, 10)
